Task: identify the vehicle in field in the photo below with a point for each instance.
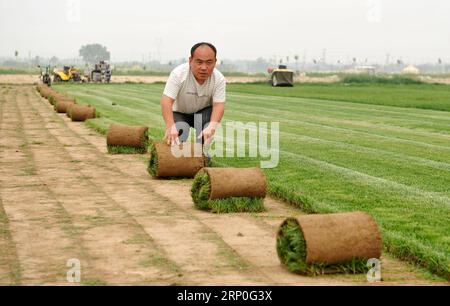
(281, 76)
(68, 73)
(45, 77)
(100, 74)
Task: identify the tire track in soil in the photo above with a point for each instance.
(9, 261)
(32, 213)
(114, 247)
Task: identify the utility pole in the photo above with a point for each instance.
(388, 58)
(296, 62)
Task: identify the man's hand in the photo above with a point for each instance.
(171, 136)
(216, 116)
(208, 133)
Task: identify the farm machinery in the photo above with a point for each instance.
(101, 73)
(68, 73)
(45, 77)
(281, 76)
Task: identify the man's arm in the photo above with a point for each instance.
(171, 135)
(217, 111)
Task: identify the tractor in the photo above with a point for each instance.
(45, 77)
(68, 73)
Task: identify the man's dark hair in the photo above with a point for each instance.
(194, 47)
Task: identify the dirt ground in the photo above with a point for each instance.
(62, 196)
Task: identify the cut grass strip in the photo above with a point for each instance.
(292, 251)
(201, 190)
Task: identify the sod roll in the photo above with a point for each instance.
(54, 97)
(81, 112)
(62, 106)
(229, 189)
(126, 135)
(69, 110)
(330, 243)
(46, 91)
(163, 163)
(39, 87)
(236, 182)
(127, 139)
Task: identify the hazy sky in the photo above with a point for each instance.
(414, 30)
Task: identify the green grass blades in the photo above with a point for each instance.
(153, 162)
(374, 79)
(126, 150)
(200, 192)
(424, 96)
(291, 249)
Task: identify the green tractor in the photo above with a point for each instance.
(45, 77)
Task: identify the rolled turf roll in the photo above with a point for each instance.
(39, 87)
(69, 110)
(330, 243)
(46, 91)
(164, 164)
(56, 96)
(224, 190)
(62, 106)
(81, 112)
(127, 139)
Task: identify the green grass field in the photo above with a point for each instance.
(381, 152)
(424, 96)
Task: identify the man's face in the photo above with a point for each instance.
(202, 63)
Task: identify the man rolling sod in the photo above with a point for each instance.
(194, 96)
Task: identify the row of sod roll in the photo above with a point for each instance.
(309, 245)
(64, 104)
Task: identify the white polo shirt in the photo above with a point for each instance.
(189, 95)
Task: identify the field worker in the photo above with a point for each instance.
(194, 96)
